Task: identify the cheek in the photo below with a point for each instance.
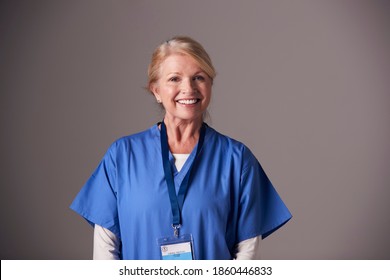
(167, 92)
(207, 91)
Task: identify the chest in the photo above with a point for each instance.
(212, 187)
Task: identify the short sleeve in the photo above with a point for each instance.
(97, 200)
(261, 210)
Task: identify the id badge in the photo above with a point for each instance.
(176, 248)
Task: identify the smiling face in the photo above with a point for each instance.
(183, 88)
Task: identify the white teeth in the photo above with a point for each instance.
(187, 101)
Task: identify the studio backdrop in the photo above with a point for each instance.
(304, 84)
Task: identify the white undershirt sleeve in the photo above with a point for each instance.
(105, 244)
(248, 249)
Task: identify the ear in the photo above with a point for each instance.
(155, 90)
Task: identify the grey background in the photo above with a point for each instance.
(305, 84)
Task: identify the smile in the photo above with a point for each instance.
(188, 101)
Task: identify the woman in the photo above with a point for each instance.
(180, 190)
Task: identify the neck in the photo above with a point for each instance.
(182, 135)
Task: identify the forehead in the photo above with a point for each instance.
(179, 63)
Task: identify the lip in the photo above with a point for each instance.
(188, 101)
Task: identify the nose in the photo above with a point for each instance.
(188, 86)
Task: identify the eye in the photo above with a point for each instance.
(199, 78)
(174, 79)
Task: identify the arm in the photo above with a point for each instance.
(248, 249)
(105, 244)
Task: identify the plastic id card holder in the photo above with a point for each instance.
(176, 248)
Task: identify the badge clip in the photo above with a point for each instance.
(176, 230)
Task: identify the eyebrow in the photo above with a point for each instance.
(178, 73)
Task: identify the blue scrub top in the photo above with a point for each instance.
(229, 199)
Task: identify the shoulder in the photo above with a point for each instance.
(139, 137)
(134, 141)
(228, 145)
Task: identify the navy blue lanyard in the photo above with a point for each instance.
(177, 200)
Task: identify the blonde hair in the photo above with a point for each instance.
(182, 45)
